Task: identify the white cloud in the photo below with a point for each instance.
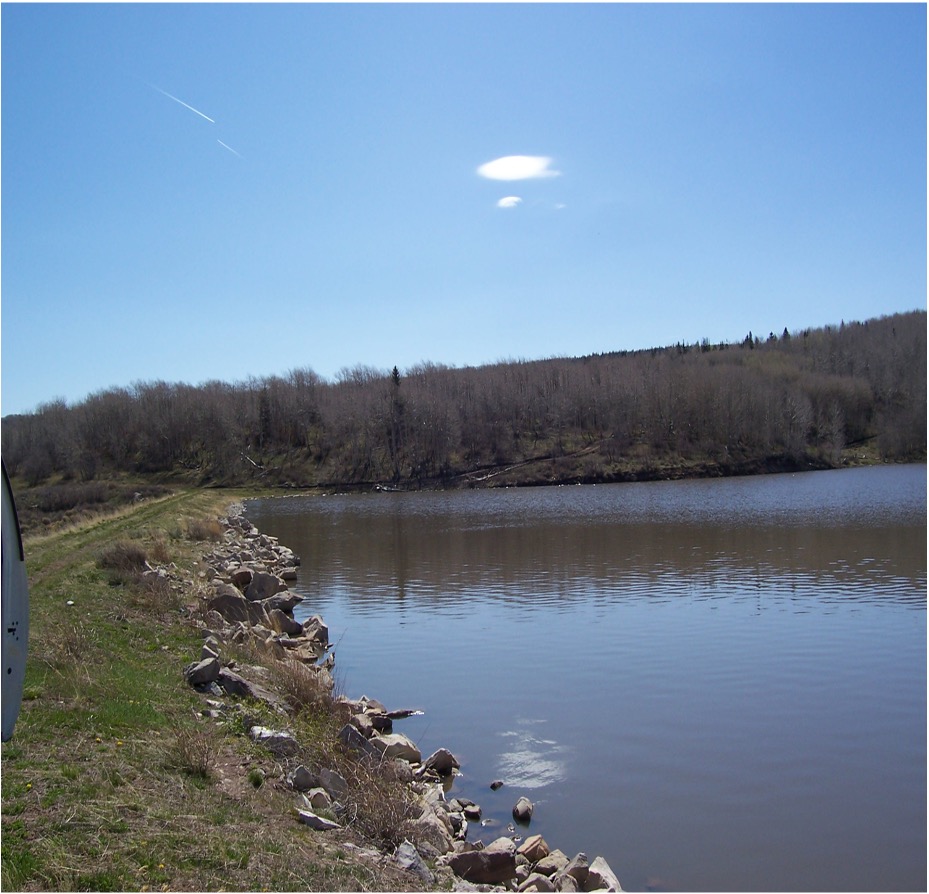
(518, 167)
(509, 202)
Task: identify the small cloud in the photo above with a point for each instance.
(509, 202)
(560, 205)
(518, 167)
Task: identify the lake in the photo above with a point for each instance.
(714, 684)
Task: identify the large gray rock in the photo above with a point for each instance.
(578, 869)
(408, 858)
(352, 738)
(442, 761)
(397, 745)
(537, 882)
(554, 862)
(430, 829)
(489, 866)
(314, 821)
(241, 576)
(286, 601)
(204, 671)
(334, 783)
(601, 878)
(276, 741)
(301, 779)
(233, 606)
(534, 848)
(235, 684)
(319, 798)
(315, 628)
(263, 585)
(284, 623)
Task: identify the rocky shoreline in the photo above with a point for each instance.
(247, 601)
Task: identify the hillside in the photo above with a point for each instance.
(810, 399)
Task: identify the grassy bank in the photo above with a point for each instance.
(114, 780)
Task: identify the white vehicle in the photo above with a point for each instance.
(15, 612)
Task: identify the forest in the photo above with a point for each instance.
(816, 398)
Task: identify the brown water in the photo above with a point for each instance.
(717, 685)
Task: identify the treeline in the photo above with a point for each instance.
(787, 400)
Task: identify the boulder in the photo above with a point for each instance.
(334, 783)
(467, 807)
(554, 862)
(319, 798)
(205, 671)
(315, 628)
(601, 878)
(504, 844)
(350, 737)
(241, 576)
(314, 821)
(522, 812)
(234, 607)
(490, 866)
(442, 761)
(288, 574)
(286, 601)
(497, 783)
(396, 745)
(537, 882)
(578, 869)
(284, 623)
(263, 585)
(534, 848)
(430, 829)
(301, 779)
(407, 857)
(276, 741)
(235, 684)
(362, 723)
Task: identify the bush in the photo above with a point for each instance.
(123, 556)
(204, 529)
(193, 753)
(305, 688)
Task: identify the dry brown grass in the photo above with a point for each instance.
(193, 752)
(123, 556)
(305, 688)
(204, 529)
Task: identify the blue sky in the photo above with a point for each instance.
(196, 192)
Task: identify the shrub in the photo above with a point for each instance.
(305, 688)
(192, 753)
(204, 529)
(123, 556)
(378, 804)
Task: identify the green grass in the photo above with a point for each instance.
(113, 780)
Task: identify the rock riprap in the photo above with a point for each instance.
(248, 599)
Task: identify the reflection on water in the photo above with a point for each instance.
(530, 762)
(719, 683)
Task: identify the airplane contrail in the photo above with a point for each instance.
(181, 102)
(221, 143)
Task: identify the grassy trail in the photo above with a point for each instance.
(113, 779)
